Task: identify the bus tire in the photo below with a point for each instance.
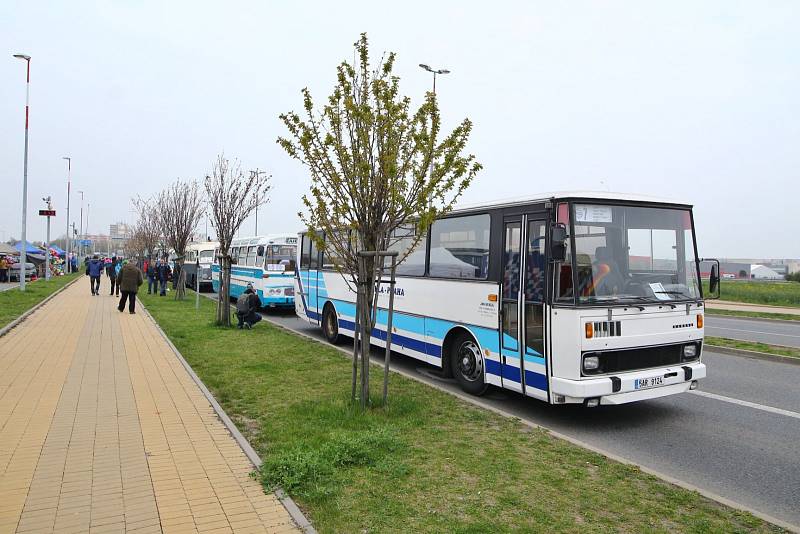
(467, 364)
(330, 325)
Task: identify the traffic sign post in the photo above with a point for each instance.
(49, 212)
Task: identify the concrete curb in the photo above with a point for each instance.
(759, 319)
(296, 514)
(7, 328)
(753, 354)
(477, 402)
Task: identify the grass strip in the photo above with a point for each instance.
(779, 350)
(14, 302)
(757, 315)
(428, 462)
(782, 293)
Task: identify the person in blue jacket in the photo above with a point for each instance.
(152, 274)
(94, 268)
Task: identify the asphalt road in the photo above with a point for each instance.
(738, 436)
(773, 332)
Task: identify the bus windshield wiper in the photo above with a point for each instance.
(669, 292)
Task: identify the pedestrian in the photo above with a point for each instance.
(247, 308)
(74, 263)
(130, 278)
(152, 273)
(111, 272)
(3, 269)
(117, 269)
(94, 268)
(163, 276)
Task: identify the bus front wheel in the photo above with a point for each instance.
(330, 325)
(467, 365)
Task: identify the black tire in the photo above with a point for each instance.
(467, 364)
(330, 325)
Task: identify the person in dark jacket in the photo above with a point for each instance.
(94, 268)
(111, 273)
(163, 275)
(129, 280)
(247, 308)
(152, 274)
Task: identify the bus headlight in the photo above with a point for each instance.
(591, 363)
(690, 351)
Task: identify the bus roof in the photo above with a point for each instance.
(569, 195)
(204, 245)
(278, 239)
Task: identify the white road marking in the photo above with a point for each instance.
(750, 331)
(740, 402)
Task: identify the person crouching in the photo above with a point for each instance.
(247, 308)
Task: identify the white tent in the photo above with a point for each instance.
(762, 272)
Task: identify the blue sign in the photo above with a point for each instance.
(85, 242)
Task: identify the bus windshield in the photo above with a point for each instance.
(206, 256)
(633, 254)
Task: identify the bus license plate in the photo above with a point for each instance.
(644, 383)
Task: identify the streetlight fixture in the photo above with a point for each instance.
(69, 237)
(434, 72)
(23, 256)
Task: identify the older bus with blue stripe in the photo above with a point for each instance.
(569, 298)
(268, 262)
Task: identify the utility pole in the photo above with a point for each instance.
(49, 212)
(80, 232)
(23, 247)
(69, 183)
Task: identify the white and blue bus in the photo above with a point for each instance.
(590, 298)
(267, 262)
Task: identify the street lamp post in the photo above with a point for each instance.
(23, 256)
(69, 237)
(47, 244)
(80, 231)
(435, 72)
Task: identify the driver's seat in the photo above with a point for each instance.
(607, 276)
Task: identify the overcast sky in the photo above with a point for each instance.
(697, 101)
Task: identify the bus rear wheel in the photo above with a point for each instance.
(467, 365)
(330, 325)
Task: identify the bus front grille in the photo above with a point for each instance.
(619, 361)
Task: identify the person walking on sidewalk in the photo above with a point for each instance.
(130, 278)
(247, 308)
(117, 269)
(94, 268)
(152, 273)
(111, 273)
(3, 269)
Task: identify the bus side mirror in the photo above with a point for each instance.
(714, 286)
(558, 242)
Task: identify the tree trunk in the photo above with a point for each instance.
(223, 302)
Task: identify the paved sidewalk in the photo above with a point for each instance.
(103, 430)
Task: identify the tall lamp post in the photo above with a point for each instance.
(23, 256)
(69, 237)
(47, 213)
(434, 72)
(80, 231)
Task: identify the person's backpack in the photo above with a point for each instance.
(242, 305)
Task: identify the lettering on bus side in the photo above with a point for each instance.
(398, 291)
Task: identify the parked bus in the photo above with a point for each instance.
(201, 254)
(267, 262)
(587, 298)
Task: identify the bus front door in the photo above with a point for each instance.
(522, 333)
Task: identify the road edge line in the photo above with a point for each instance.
(288, 503)
(7, 328)
(752, 354)
(761, 319)
(499, 411)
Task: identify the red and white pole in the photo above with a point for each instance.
(24, 241)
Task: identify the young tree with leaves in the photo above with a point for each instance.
(377, 168)
(232, 197)
(179, 209)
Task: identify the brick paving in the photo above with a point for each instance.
(103, 430)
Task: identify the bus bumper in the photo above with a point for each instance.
(624, 387)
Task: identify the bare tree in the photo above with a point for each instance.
(379, 177)
(148, 227)
(179, 209)
(232, 197)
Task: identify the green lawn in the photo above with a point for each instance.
(790, 352)
(770, 293)
(14, 302)
(757, 315)
(429, 462)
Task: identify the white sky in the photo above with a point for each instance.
(696, 101)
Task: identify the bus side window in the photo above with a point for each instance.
(314, 255)
(305, 252)
(460, 247)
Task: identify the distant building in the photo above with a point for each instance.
(120, 230)
(744, 267)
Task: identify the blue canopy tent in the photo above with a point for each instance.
(29, 249)
(58, 250)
